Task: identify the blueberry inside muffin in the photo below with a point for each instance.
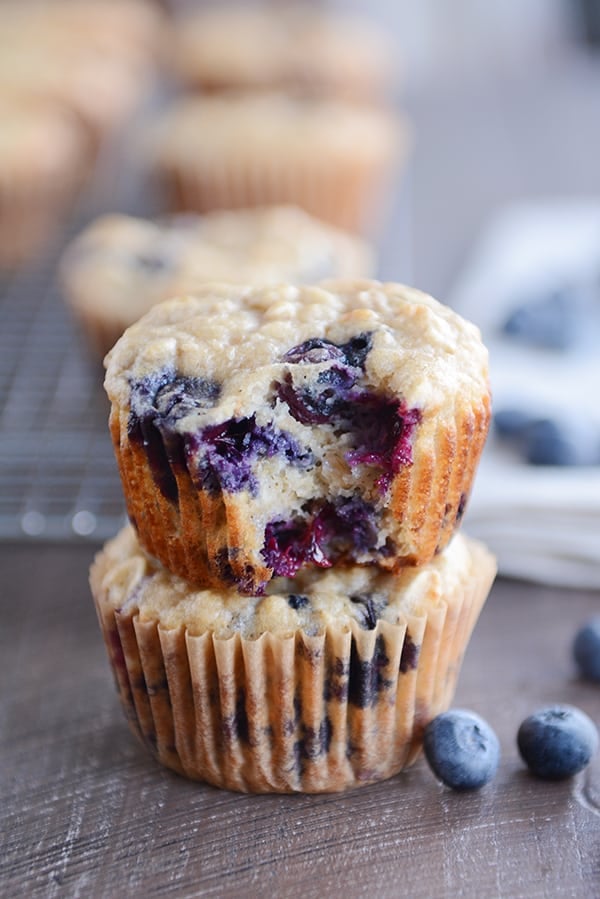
(262, 431)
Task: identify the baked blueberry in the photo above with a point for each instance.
(462, 749)
(370, 607)
(224, 454)
(298, 601)
(324, 534)
(586, 650)
(318, 349)
(557, 742)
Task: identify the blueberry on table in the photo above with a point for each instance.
(557, 742)
(512, 422)
(550, 442)
(462, 749)
(586, 650)
(551, 321)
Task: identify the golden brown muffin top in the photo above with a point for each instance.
(238, 338)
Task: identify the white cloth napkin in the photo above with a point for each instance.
(543, 522)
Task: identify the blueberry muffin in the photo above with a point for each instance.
(119, 266)
(85, 56)
(260, 431)
(44, 158)
(326, 682)
(230, 151)
(300, 49)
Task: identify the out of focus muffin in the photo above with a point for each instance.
(120, 266)
(96, 59)
(44, 157)
(296, 48)
(229, 151)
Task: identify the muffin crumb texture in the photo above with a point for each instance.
(262, 431)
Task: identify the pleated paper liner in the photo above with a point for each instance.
(293, 713)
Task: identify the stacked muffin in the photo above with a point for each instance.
(290, 604)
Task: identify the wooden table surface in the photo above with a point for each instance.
(86, 813)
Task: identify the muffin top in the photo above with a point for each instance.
(299, 47)
(120, 266)
(298, 128)
(241, 340)
(340, 597)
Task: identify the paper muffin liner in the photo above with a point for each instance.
(347, 193)
(292, 713)
(212, 538)
(29, 211)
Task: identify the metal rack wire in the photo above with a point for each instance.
(58, 476)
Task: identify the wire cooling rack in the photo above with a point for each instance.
(58, 475)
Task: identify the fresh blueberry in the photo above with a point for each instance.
(461, 749)
(512, 422)
(586, 650)
(557, 742)
(551, 321)
(552, 442)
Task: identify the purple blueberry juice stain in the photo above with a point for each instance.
(222, 456)
(370, 609)
(313, 742)
(218, 457)
(321, 536)
(366, 678)
(157, 403)
(381, 428)
(409, 655)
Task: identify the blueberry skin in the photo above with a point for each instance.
(586, 650)
(462, 749)
(557, 742)
(510, 422)
(549, 442)
(550, 321)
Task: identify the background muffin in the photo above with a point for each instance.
(325, 683)
(230, 151)
(94, 58)
(120, 266)
(258, 431)
(44, 158)
(296, 48)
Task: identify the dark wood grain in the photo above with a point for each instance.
(86, 812)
